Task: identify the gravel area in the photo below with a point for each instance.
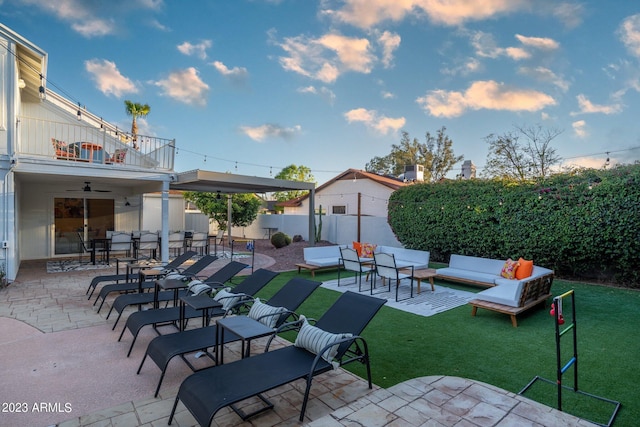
(286, 258)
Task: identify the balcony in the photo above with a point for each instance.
(100, 144)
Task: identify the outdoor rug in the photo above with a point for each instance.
(64, 265)
(427, 303)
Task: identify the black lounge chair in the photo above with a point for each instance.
(139, 319)
(134, 286)
(123, 301)
(163, 348)
(207, 391)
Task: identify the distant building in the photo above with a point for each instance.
(349, 193)
(468, 170)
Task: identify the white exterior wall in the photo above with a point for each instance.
(152, 212)
(373, 198)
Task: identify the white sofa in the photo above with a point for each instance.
(323, 256)
(510, 296)
(406, 257)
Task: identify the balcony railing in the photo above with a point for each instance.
(68, 142)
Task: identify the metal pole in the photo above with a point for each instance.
(359, 213)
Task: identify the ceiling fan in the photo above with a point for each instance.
(87, 188)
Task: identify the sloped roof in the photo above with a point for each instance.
(349, 174)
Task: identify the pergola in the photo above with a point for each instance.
(227, 184)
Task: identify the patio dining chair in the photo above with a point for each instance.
(120, 241)
(337, 338)
(90, 249)
(387, 268)
(148, 241)
(350, 261)
(176, 242)
(199, 242)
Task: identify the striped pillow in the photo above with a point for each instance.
(315, 339)
(197, 287)
(265, 313)
(226, 298)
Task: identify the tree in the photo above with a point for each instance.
(135, 110)
(522, 154)
(293, 173)
(244, 207)
(436, 155)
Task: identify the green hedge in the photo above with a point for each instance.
(584, 224)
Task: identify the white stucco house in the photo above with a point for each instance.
(353, 192)
(66, 174)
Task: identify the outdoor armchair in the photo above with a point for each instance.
(387, 268)
(207, 391)
(350, 261)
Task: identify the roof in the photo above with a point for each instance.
(227, 183)
(350, 174)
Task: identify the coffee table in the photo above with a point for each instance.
(424, 273)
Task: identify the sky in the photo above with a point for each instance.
(252, 86)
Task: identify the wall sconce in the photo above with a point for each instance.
(21, 84)
(79, 112)
(41, 93)
(126, 202)
(218, 196)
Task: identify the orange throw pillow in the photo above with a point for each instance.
(525, 269)
(509, 269)
(357, 246)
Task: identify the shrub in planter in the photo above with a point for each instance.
(280, 240)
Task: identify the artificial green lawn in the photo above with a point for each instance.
(488, 348)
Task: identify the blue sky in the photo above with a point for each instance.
(251, 86)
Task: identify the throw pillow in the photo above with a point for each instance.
(509, 269)
(315, 339)
(226, 298)
(357, 246)
(265, 313)
(197, 287)
(368, 249)
(525, 269)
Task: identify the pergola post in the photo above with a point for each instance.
(312, 217)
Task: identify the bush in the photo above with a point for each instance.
(280, 240)
(297, 238)
(582, 224)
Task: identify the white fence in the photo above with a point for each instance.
(339, 229)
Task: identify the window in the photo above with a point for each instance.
(339, 210)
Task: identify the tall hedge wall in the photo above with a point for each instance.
(584, 224)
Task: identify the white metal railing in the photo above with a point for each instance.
(93, 144)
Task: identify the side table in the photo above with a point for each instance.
(244, 327)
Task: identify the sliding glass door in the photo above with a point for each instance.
(77, 218)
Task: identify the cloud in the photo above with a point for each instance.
(387, 95)
(324, 92)
(185, 86)
(587, 107)
(92, 18)
(327, 57)
(544, 74)
(629, 32)
(371, 119)
(260, 133)
(486, 46)
(487, 95)
(368, 13)
(580, 128)
(198, 49)
(108, 78)
(390, 42)
(237, 75)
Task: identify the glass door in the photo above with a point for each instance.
(77, 218)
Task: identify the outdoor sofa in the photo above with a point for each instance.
(504, 295)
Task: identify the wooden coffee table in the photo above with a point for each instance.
(423, 273)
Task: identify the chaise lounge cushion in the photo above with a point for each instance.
(406, 257)
(507, 293)
(322, 256)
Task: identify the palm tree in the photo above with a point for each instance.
(135, 110)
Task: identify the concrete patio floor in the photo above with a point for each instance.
(43, 368)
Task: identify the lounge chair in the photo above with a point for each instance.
(136, 286)
(163, 348)
(139, 319)
(171, 266)
(123, 301)
(207, 391)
